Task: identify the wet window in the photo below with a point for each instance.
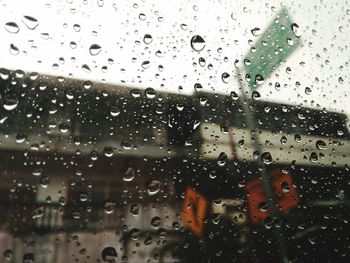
(174, 131)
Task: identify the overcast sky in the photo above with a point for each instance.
(321, 63)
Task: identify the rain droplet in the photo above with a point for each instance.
(297, 137)
(184, 27)
(256, 95)
(295, 29)
(313, 157)
(308, 91)
(156, 221)
(259, 79)
(135, 93)
(145, 64)
(201, 61)
(197, 43)
(198, 87)
(108, 151)
(256, 31)
(28, 258)
(283, 140)
(10, 102)
(225, 77)
(30, 22)
(14, 50)
(234, 95)
(114, 111)
(8, 254)
(109, 207)
(87, 84)
(147, 39)
(109, 254)
(76, 28)
(21, 137)
(129, 175)
(266, 158)
(95, 49)
(12, 27)
(321, 145)
(44, 181)
(134, 209)
(142, 17)
(153, 187)
(222, 159)
(241, 143)
(263, 206)
(150, 93)
(86, 68)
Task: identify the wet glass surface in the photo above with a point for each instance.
(174, 131)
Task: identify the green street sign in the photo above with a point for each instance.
(271, 50)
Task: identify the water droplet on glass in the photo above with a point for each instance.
(263, 206)
(109, 254)
(340, 80)
(308, 91)
(21, 137)
(125, 145)
(14, 50)
(150, 93)
(44, 181)
(266, 158)
(108, 151)
(222, 159)
(8, 254)
(86, 68)
(184, 27)
(114, 111)
(197, 43)
(147, 39)
(256, 31)
(129, 175)
(297, 137)
(156, 221)
(87, 84)
(241, 143)
(321, 145)
(283, 140)
(259, 79)
(134, 209)
(10, 102)
(145, 64)
(142, 17)
(76, 28)
(201, 61)
(256, 95)
(30, 22)
(153, 187)
(63, 127)
(234, 95)
(285, 187)
(95, 49)
(225, 77)
(135, 93)
(295, 29)
(109, 207)
(313, 157)
(28, 258)
(12, 27)
(198, 87)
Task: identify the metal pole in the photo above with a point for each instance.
(249, 117)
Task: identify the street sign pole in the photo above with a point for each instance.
(278, 41)
(250, 121)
